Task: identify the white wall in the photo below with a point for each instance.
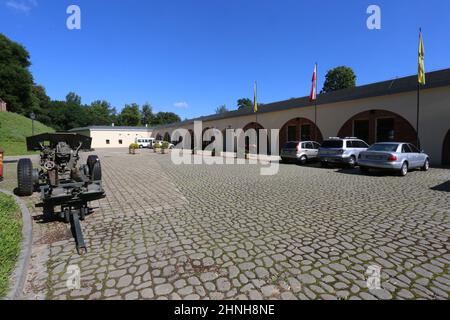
(434, 119)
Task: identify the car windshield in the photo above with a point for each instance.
(387, 147)
(332, 144)
(291, 145)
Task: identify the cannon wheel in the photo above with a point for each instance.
(96, 173)
(91, 160)
(25, 178)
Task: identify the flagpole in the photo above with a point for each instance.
(418, 115)
(418, 99)
(315, 108)
(256, 100)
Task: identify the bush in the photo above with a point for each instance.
(134, 146)
(157, 145)
(165, 145)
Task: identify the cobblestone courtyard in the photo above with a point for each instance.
(226, 232)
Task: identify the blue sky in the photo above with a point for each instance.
(190, 56)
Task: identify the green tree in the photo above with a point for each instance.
(244, 103)
(162, 118)
(69, 114)
(147, 114)
(222, 109)
(73, 98)
(101, 113)
(130, 115)
(41, 104)
(339, 78)
(15, 78)
(57, 113)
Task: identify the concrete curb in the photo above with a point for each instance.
(19, 274)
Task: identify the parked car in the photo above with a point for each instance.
(145, 142)
(300, 151)
(341, 151)
(396, 156)
(171, 145)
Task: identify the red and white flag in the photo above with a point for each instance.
(313, 95)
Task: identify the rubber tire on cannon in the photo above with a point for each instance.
(25, 186)
(95, 168)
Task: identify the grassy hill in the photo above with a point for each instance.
(14, 129)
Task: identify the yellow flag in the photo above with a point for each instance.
(255, 99)
(421, 73)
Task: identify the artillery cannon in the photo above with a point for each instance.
(60, 181)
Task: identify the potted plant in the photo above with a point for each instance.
(157, 147)
(132, 148)
(165, 147)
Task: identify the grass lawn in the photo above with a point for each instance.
(10, 239)
(14, 129)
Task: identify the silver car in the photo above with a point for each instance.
(396, 156)
(341, 151)
(300, 151)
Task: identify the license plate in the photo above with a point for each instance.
(374, 157)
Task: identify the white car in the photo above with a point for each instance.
(145, 142)
(300, 151)
(171, 145)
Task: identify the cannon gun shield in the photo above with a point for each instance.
(74, 140)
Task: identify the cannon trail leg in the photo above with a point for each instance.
(78, 233)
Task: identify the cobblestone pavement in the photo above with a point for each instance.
(226, 232)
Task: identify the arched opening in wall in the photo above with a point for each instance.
(446, 150)
(206, 139)
(255, 126)
(167, 137)
(191, 133)
(224, 135)
(379, 126)
(300, 129)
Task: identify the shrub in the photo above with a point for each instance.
(134, 146)
(165, 145)
(157, 145)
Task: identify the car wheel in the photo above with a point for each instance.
(352, 162)
(324, 164)
(25, 178)
(426, 165)
(303, 160)
(404, 170)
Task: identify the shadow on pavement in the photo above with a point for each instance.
(442, 187)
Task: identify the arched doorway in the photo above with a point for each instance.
(191, 133)
(446, 150)
(299, 129)
(255, 126)
(379, 126)
(206, 138)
